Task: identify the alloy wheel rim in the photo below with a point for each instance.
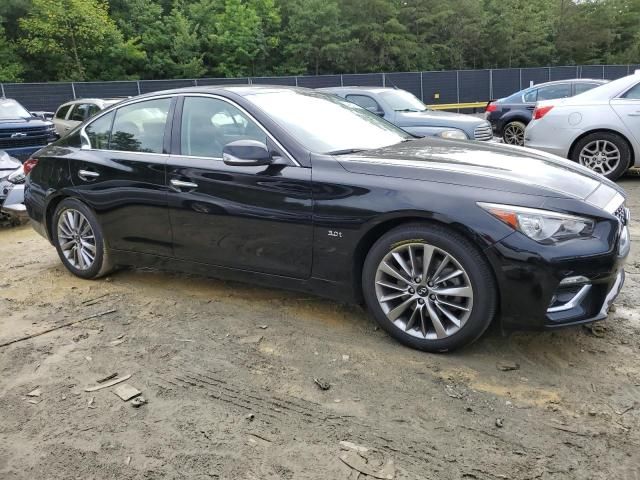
(76, 239)
(424, 291)
(601, 156)
(514, 135)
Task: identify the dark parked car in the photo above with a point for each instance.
(299, 189)
(509, 116)
(404, 110)
(22, 133)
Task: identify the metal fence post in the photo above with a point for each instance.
(73, 90)
(138, 85)
(491, 84)
(458, 86)
(2, 88)
(296, 78)
(421, 88)
(603, 72)
(520, 78)
(341, 81)
(195, 82)
(384, 79)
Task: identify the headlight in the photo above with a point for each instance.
(17, 176)
(543, 226)
(453, 135)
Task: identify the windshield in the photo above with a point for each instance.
(11, 109)
(402, 101)
(325, 123)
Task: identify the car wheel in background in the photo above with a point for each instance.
(603, 152)
(513, 133)
(79, 241)
(429, 287)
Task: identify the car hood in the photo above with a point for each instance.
(432, 118)
(476, 164)
(25, 123)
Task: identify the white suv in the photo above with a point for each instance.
(77, 111)
(600, 129)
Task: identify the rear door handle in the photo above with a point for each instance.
(634, 114)
(88, 175)
(179, 184)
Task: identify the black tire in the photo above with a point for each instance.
(471, 260)
(510, 139)
(617, 140)
(101, 264)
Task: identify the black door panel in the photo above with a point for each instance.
(242, 217)
(128, 192)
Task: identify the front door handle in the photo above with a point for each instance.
(179, 184)
(634, 114)
(87, 175)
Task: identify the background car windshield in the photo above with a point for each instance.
(400, 100)
(326, 123)
(12, 109)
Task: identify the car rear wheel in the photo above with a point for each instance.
(603, 152)
(78, 238)
(429, 287)
(513, 133)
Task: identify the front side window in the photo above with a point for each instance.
(325, 123)
(98, 132)
(208, 124)
(365, 101)
(633, 93)
(139, 127)
(62, 112)
(551, 92)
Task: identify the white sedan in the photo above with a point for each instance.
(600, 129)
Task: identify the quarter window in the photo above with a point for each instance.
(583, 87)
(634, 93)
(140, 127)
(365, 102)
(208, 124)
(531, 96)
(98, 132)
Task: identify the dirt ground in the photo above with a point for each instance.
(228, 371)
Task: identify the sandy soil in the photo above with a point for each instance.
(228, 371)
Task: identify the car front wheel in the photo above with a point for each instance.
(603, 152)
(78, 239)
(429, 287)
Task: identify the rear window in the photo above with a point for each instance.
(62, 111)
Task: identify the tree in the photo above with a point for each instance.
(75, 40)
(10, 66)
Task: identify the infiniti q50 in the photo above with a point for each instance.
(299, 189)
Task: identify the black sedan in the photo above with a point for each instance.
(299, 189)
(509, 116)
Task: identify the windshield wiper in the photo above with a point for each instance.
(346, 151)
(408, 110)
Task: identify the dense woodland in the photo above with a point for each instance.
(49, 40)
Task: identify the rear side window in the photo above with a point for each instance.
(140, 127)
(62, 111)
(551, 92)
(583, 87)
(98, 132)
(633, 93)
(365, 102)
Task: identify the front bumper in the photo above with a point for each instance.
(533, 292)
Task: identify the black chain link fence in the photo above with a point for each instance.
(442, 87)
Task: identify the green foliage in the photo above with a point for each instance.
(117, 39)
(75, 40)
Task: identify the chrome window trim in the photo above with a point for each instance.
(84, 136)
(251, 117)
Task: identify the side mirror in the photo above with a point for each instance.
(247, 153)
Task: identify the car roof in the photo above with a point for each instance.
(94, 100)
(567, 80)
(357, 88)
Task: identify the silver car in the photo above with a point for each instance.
(600, 129)
(407, 112)
(73, 113)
